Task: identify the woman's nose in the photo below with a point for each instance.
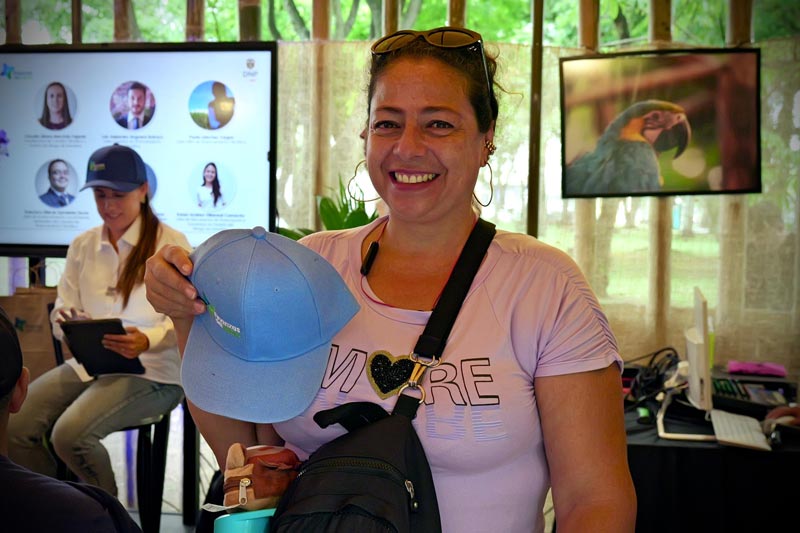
(411, 142)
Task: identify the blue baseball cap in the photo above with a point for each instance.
(117, 167)
(260, 350)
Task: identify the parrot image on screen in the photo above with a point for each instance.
(625, 160)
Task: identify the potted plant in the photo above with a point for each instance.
(339, 212)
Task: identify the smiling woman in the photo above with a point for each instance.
(531, 355)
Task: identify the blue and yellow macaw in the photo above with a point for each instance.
(625, 159)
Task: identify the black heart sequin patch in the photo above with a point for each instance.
(387, 373)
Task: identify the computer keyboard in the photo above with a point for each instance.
(738, 430)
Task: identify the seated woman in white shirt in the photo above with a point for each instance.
(103, 278)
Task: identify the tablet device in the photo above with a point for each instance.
(84, 338)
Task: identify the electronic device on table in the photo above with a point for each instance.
(741, 396)
(706, 422)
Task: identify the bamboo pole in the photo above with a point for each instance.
(122, 20)
(195, 20)
(585, 210)
(535, 131)
(320, 32)
(457, 13)
(659, 280)
(249, 20)
(732, 207)
(13, 22)
(77, 22)
(391, 16)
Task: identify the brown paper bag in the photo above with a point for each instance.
(27, 309)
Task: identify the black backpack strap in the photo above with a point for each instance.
(431, 342)
(351, 415)
(433, 339)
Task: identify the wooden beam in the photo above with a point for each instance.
(740, 22)
(732, 207)
(585, 209)
(535, 130)
(391, 16)
(122, 20)
(320, 31)
(77, 22)
(457, 13)
(195, 20)
(321, 20)
(249, 20)
(589, 24)
(660, 21)
(13, 22)
(659, 280)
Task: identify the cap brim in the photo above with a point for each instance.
(115, 185)
(221, 383)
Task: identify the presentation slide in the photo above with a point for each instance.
(195, 116)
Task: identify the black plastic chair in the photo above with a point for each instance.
(151, 459)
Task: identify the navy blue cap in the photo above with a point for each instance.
(117, 167)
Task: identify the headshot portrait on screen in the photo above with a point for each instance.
(60, 186)
(56, 113)
(209, 194)
(132, 105)
(211, 105)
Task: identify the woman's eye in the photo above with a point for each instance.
(384, 124)
(440, 124)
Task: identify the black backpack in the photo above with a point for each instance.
(376, 477)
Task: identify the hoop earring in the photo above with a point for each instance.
(350, 194)
(491, 188)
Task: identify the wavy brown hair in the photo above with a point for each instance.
(133, 272)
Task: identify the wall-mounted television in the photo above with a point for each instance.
(660, 122)
(186, 108)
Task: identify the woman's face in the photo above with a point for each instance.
(424, 148)
(59, 176)
(209, 173)
(118, 209)
(55, 99)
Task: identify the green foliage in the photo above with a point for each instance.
(775, 18)
(341, 211)
(508, 21)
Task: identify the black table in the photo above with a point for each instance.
(703, 486)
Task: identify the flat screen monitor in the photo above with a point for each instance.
(189, 109)
(665, 122)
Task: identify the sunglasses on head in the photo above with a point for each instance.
(444, 37)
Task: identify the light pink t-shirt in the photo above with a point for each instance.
(529, 313)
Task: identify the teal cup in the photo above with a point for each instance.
(245, 522)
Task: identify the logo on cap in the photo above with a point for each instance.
(226, 326)
(96, 166)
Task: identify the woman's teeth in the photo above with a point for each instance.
(413, 178)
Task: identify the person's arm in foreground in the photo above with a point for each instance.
(171, 293)
(584, 434)
(786, 410)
